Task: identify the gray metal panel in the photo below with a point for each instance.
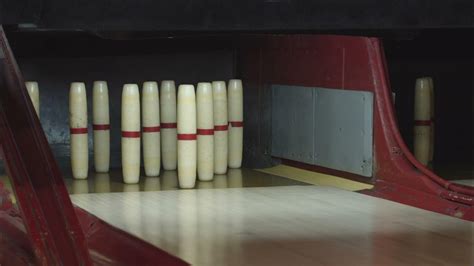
(343, 130)
(326, 127)
(257, 129)
(292, 123)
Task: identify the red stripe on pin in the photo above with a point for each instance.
(186, 136)
(168, 125)
(78, 130)
(151, 129)
(236, 123)
(422, 122)
(221, 127)
(201, 131)
(130, 134)
(101, 127)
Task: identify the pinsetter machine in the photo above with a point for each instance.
(317, 96)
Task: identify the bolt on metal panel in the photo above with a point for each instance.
(325, 127)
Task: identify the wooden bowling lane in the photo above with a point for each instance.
(168, 180)
(285, 225)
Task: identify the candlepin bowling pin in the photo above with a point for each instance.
(205, 131)
(422, 117)
(151, 128)
(432, 114)
(186, 136)
(168, 124)
(101, 126)
(236, 118)
(33, 90)
(130, 133)
(219, 95)
(78, 130)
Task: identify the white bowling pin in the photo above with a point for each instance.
(101, 126)
(151, 128)
(33, 90)
(130, 133)
(205, 131)
(168, 124)
(432, 114)
(78, 130)
(219, 94)
(187, 136)
(421, 140)
(236, 122)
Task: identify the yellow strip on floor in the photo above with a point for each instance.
(315, 178)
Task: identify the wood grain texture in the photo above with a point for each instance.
(292, 225)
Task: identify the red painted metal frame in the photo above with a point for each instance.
(46, 209)
(45, 230)
(107, 244)
(356, 63)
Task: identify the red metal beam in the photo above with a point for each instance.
(47, 229)
(48, 215)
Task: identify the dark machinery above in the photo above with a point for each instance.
(236, 15)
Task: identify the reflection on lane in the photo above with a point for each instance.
(168, 180)
(220, 181)
(152, 184)
(80, 186)
(102, 182)
(234, 177)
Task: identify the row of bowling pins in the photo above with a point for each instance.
(423, 139)
(201, 132)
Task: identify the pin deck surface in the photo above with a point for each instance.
(271, 220)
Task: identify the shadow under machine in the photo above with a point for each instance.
(328, 88)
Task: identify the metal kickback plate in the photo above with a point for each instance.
(326, 127)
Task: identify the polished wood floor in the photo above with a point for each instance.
(285, 225)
